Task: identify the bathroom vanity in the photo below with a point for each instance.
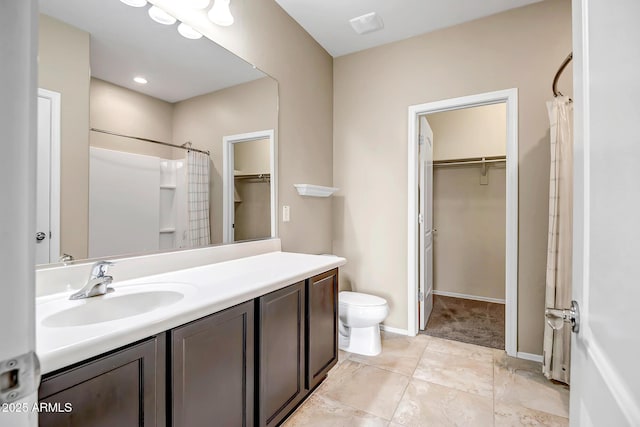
(249, 363)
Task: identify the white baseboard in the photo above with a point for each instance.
(394, 330)
(528, 356)
(465, 296)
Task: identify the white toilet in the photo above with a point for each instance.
(360, 316)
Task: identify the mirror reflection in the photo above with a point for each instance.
(131, 119)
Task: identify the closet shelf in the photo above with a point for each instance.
(315, 190)
(167, 230)
(168, 187)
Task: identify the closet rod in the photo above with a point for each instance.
(138, 138)
(564, 64)
(262, 176)
(470, 161)
(253, 176)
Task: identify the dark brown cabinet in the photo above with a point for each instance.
(322, 326)
(281, 353)
(298, 344)
(251, 364)
(212, 370)
(124, 388)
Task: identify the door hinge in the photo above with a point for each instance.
(420, 218)
(421, 296)
(19, 377)
(421, 139)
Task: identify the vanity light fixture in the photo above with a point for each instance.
(197, 4)
(188, 32)
(160, 16)
(141, 80)
(135, 3)
(220, 14)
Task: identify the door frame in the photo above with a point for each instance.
(228, 203)
(510, 97)
(54, 176)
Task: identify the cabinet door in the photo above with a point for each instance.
(322, 326)
(281, 353)
(212, 366)
(125, 389)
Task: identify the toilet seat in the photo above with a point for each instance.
(360, 300)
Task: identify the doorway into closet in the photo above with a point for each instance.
(466, 222)
(463, 172)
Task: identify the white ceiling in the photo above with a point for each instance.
(328, 20)
(125, 42)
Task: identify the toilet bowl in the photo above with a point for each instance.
(359, 322)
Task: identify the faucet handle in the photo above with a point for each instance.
(100, 268)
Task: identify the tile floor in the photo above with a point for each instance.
(428, 381)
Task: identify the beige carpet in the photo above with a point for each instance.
(475, 322)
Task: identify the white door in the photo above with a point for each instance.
(425, 186)
(17, 200)
(47, 178)
(605, 379)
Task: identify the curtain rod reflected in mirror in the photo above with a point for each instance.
(138, 138)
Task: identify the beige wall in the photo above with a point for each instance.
(266, 36)
(63, 66)
(470, 132)
(469, 246)
(252, 157)
(520, 48)
(253, 213)
(205, 119)
(117, 109)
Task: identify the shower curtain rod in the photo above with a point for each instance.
(470, 161)
(182, 147)
(564, 64)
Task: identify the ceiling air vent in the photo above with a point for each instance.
(367, 23)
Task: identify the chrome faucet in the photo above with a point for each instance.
(98, 283)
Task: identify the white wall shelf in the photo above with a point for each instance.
(315, 190)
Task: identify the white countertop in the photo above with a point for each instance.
(207, 289)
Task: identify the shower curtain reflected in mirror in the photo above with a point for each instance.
(557, 350)
(198, 198)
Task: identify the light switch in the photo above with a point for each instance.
(286, 214)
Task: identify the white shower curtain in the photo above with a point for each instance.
(198, 198)
(557, 350)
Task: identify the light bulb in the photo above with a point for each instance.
(188, 32)
(135, 3)
(197, 4)
(220, 13)
(160, 16)
(141, 80)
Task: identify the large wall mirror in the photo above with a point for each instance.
(131, 121)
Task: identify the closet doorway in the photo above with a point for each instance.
(463, 175)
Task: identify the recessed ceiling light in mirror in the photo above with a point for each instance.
(135, 3)
(160, 16)
(188, 32)
(197, 4)
(140, 80)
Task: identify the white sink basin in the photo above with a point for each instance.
(124, 302)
